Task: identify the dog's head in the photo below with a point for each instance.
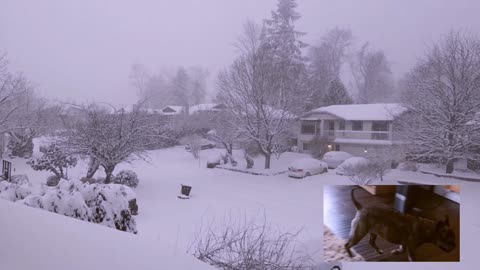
(444, 235)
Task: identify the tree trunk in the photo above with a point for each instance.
(109, 173)
(92, 167)
(449, 167)
(267, 160)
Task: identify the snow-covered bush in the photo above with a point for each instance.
(360, 170)
(408, 166)
(53, 159)
(20, 179)
(127, 178)
(14, 192)
(52, 180)
(109, 205)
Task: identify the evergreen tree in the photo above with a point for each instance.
(336, 94)
(281, 41)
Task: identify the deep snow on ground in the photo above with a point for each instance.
(34, 239)
(219, 196)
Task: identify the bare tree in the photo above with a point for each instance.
(247, 245)
(110, 136)
(260, 110)
(12, 86)
(372, 75)
(442, 96)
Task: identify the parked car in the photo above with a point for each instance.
(305, 167)
(204, 144)
(214, 160)
(335, 158)
(342, 169)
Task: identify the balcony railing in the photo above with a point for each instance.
(357, 134)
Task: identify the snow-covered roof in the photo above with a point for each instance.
(172, 110)
(206, 107)
(359, 112)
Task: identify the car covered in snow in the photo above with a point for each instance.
(203, 144)
(344, 168)
(214, 160)
(335, 158)
(305, 167)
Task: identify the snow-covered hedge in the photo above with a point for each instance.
(127, 178)
(97, 203)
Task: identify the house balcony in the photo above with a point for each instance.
(357, 134)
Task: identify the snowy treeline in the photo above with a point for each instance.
(103, 204)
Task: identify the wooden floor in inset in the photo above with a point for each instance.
(339, 212)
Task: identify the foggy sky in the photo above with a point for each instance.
(84, 49)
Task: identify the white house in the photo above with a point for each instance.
(359, 129)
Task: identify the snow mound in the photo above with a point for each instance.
(33, 239)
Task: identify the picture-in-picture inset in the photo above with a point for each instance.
(392, 223)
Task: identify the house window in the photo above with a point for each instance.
(341, 125)
(357, 125)
(306, 146)
(308, 128)
(380, 126)
(331, 125)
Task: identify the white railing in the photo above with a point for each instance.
(358, 134)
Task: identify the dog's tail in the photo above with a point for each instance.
(355, 202)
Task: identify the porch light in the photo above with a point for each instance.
(329, 146)
(365, 150)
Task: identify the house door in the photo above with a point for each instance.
(337, 147)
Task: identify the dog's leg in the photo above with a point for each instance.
(411, 251)
(357, 232)
(372, 242)
(400, 250)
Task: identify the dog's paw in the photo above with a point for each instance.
(398, 251)
(379, 251)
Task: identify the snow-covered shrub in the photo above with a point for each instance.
(408, 166)
(360, 170)
(110, 206)
(20, 179)
(14, 192)
(52, 180)
(127, 178)
(68, 203)
(99, 203)
(53, 159)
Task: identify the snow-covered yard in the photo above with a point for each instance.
(218, 196)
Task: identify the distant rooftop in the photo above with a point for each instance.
(365, 112)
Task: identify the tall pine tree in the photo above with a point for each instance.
(281, 41)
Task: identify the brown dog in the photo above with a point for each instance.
(406, 231)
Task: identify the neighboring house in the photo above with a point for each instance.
(359, 129)
(207, 108)
(172, 110)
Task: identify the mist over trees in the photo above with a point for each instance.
(185, 87)
(326, 59)
(372, 75)
(442, 93)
